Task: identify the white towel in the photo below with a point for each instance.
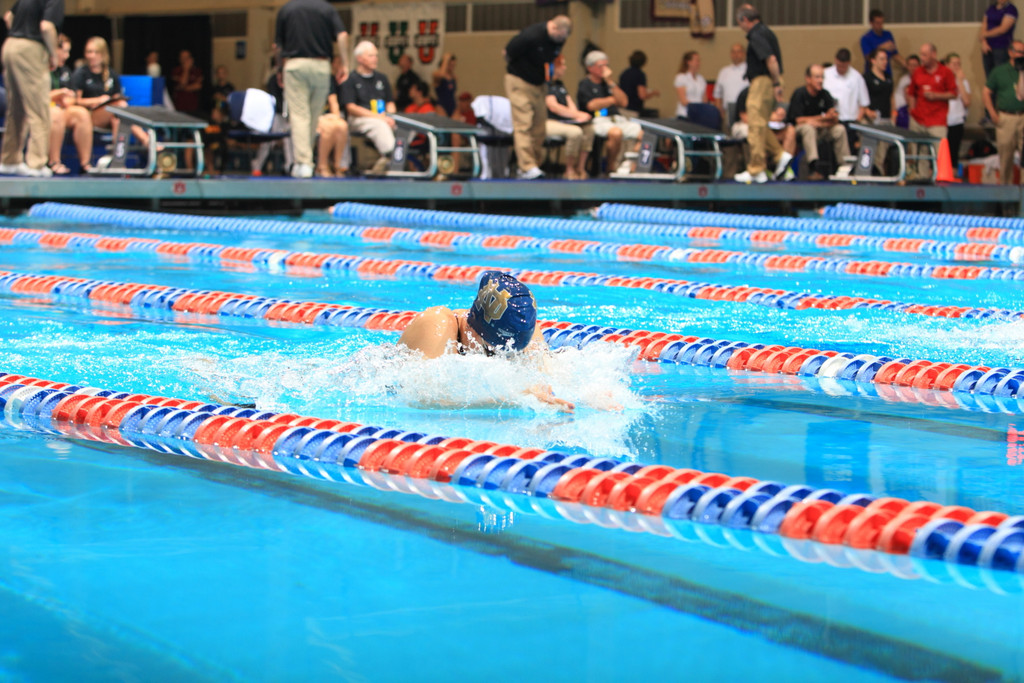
(496, 110)
(258, 110)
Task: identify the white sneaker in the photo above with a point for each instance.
(8, 169)
(302, 171)
(29, 172)
(380, 167)
(788, 175)
(625, 168)
(532, 174)
(747, 178)
(780, 168)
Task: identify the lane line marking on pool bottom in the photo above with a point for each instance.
(278, 261)
(466, 241)
(610, 492)
(955, 385)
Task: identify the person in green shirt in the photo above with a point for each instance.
(1004, 101)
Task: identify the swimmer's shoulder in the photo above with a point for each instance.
(432, 331)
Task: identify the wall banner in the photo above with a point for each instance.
(415, 29)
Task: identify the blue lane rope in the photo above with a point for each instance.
(844, 211)
(684, 217)
(805, 235)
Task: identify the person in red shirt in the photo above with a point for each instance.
(186, 84)
(932, 86)
(419, 103)
(419, 100)
(464, 109)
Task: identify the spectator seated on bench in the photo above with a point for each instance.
(812, 110)
(67, 116)
(366, 96)
(599, 95)
(566, 122)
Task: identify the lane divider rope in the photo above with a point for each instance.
(683, 217)
(466, 241)
(614, 492)
(986, 228)
(274, 259)
(994, 383)
(628, 219)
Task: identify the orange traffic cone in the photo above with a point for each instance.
(945, 170)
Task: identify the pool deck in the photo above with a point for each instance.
(241, 194)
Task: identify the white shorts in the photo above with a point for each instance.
(630, 129)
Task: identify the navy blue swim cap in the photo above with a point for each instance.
(504, 313)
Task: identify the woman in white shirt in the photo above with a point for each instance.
(690, 85)
(957, 109)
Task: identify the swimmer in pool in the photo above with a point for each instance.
(502, 319)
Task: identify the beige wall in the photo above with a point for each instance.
(481, 63)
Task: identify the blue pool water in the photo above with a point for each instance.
(118, 562)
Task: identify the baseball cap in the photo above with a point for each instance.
(504, 313)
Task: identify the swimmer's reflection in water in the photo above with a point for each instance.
(502, 320)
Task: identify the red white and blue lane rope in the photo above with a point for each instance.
(276, 259)
(651, 221)
(985, 228)
(983, 382)
(450, 240)
(610, 491)
(677, 218)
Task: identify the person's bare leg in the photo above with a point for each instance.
(339, 149)
(81, 134)
(324, 142)
(613, 146)
(58, 126)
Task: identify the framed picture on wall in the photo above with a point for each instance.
(670, 9)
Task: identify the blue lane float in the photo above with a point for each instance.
(675, 218)
(860, 212)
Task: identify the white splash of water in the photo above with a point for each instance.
(486, 396)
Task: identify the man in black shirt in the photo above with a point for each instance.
(367, 100)
(601, 96)
(813, 111)
(306, 33)
(764, 71)
(405, 79)
(528, 55)
(29, 54)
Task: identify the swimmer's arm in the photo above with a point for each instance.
(538, 347)
(433, 332)
(544, 394)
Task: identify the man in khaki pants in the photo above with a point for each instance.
(764, 71)
(527, 55)
(306, 33)
(29, 54)
(1004, 101)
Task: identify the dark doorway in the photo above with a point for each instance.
(169, 35)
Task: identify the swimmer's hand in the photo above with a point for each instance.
(543, 393)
